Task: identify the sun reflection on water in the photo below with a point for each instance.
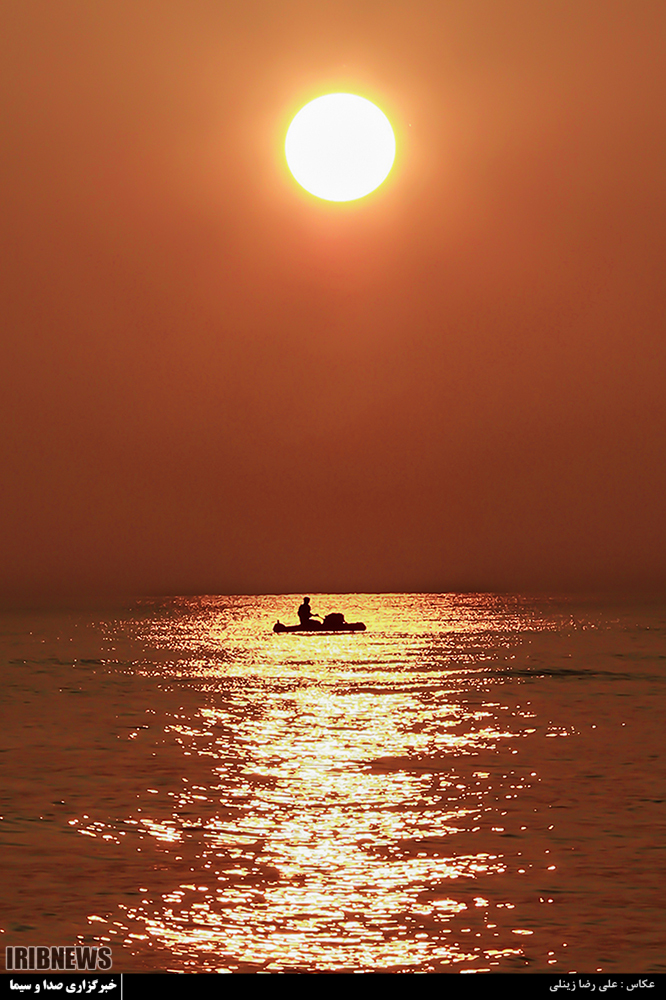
(334, 802)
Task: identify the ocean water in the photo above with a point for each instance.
(474, 784)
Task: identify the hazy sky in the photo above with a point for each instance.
(214, 382)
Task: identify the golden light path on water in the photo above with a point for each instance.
(357, 778)
(411, 797)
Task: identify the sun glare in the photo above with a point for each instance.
(340, 147)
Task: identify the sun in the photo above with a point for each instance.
(340, 147)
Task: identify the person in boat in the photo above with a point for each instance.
(305, 614)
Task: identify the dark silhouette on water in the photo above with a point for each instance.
(334, 622)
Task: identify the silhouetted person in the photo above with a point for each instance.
(305, 615)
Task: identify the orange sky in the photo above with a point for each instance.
(213, 382)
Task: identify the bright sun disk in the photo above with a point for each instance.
(340, 147)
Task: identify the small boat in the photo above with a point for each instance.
(334, 622)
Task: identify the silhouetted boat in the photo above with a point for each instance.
(334, 622)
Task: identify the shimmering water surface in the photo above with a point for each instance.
(475, 783)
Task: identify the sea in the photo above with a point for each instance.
(474, 784)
